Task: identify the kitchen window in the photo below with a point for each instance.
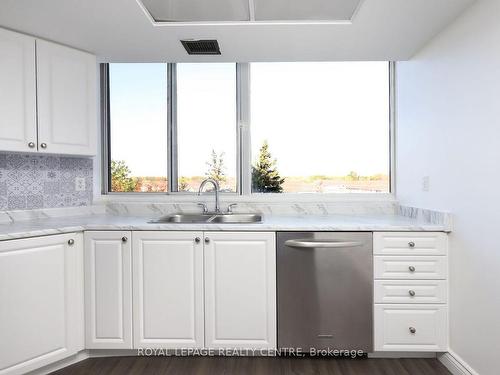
(206, 125)
(320, 127)
(303, 127)
(138, 113)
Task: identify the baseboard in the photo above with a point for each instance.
(455, 364)
(80, 356)
(95, 353)
(402, 355)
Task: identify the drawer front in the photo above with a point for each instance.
(422, 243)
(410, 291)
(411, 268)
(411, 328)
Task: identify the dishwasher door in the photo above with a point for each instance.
(325, 290)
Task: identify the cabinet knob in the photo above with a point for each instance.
(207, 240)
(71, 241)
(411, 244)
(43, 145)
(31, 145)
(197, 240)
(411, 293)
(412, 330)
(411, 268)
(124, 239)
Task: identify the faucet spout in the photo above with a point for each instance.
(217, 190)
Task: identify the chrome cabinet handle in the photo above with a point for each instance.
(43, 145)
(411, 244)
(31, 145)
(207, 240)
(310, 244)
(71, 242)
(197, 240)
(411, 268)
(124, 239)
(411, 293)
(412, 330)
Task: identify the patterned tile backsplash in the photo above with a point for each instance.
(43, 181)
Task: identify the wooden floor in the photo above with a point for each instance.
(254, 365)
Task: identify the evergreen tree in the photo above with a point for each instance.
(216, 167)
(265, 175)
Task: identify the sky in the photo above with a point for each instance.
(326, 118)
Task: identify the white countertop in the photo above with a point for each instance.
(48, 226)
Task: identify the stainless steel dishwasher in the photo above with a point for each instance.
(325, 290)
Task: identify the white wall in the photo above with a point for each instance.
(449, 130)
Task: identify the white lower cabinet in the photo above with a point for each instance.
(108, 290)
(413, 328)
(41, 301)
(410, 292)
(240, 290)
(168, 289)
(180, 289)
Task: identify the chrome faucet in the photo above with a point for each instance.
(217, 190)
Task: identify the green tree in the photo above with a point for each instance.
(183, 184)
(216, 167)
(120, 177)
(265, 175)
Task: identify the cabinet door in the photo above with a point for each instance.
(67, 99)
(17, 92)
(41, 294)
(108, 290)
(240, 290)
(168, 289)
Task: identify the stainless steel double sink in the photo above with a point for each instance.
(208, 218)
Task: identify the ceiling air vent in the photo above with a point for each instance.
(201, 47)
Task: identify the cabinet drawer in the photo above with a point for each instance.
(397, 243)
(410, 291)
(411, 328)
(412, 268)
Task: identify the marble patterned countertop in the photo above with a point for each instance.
(98, 221)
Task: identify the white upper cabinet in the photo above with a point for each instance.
(240, 290)
(168, 289)
(48, 97)
(17, 92)
(67, 101)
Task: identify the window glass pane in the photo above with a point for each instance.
(138, 127)
(206, 124)
(320, 127)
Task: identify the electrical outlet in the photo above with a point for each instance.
(425, 183)
(80, 183)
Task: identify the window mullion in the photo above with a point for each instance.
(105, 130)
(392, 125)
(173, 166)
(243, 128)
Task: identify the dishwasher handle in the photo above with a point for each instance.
(311, 244)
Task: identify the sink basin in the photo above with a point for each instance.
(209, 219)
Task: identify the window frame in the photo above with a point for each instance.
(243, 141)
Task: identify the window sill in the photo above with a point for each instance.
(254, 198)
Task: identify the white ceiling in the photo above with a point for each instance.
(119, 31)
